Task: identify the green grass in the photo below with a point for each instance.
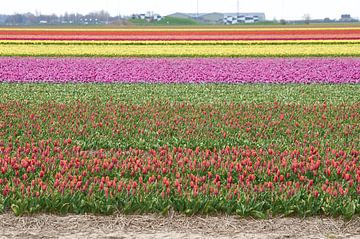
(166, 21)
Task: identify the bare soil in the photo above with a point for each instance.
(174, 226)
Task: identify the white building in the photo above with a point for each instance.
(226, 18)
(148, 17)
(236, 18)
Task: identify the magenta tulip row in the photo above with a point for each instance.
(139, 39)
(180, 70)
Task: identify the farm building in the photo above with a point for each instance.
(235, 18)
(183, 15)
(225, 18)
(346, 18)
(148, 17)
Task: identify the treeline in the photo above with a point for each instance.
(99, 17)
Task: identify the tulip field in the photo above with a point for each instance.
(181, 49)
(254, 122)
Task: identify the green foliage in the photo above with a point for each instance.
(216, 94)
(166, 21)
(158, 136)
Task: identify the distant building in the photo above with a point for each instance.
(236, 18)
(183, 15)
(148, 17)
(139, 16)
(222, 18)
(346, 18)
(157, 17)
(212, 17)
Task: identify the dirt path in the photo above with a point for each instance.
(175, 226)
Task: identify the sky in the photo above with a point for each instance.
(279, 9)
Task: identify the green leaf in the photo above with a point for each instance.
(188, 212)
(258, 214)
(350, 210)
(289, 212)
(15, 208)
(165, 211)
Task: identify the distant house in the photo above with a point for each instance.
(148, 17)
(222, 18)
(346, 18)
(157, 17)
(236, 18)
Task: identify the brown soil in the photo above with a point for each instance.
(174, 226)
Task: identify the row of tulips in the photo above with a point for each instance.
(109, 41)
(59, 176)
(215, 94)
(183, 34)
(183, 70)
(91, 39)
(108, 124)
(182, 50)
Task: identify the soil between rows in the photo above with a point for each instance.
(173, 226)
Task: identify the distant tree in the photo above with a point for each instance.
(307, 18)
(283, 22)
(66, 17)
(53, 19)
(74, 18)
(100, 15)
(30, 19)
(16, 19)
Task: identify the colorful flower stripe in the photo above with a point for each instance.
(214, 94)
(236, 147)
(172, 38)
(208, 70)
(176, 42)
(183, 32)
(59, 176)
(264, 50)
(188, 29)
(255, 34)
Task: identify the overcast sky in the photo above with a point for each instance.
(287, 9)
